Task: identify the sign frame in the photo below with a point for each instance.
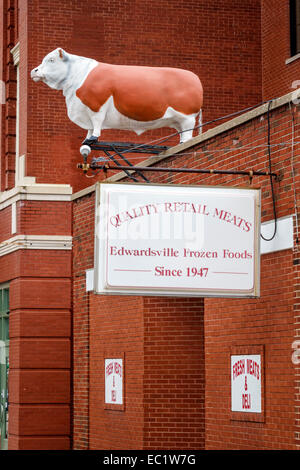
(251, 350)
(138, 291)
(114, 355)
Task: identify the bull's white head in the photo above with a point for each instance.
(53, 70)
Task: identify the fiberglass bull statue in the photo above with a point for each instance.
(103, 96)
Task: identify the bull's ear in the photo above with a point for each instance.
(62, 54)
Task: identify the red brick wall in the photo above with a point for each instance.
(2, 77)
(39, 376)
(174, 374)
(83, 258)
(9, 37)
(164, 388)
(270, 322)
(5, 227)
(102, 324)
(34, 218)
(40, 329)
(277, 76)
(219, 43)
(229, 64)
(116, 329)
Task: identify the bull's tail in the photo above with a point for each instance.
(200, 122)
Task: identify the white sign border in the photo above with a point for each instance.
(114, 356)
(236, 389)
(141, 291)
(247, 350)
(120, 381)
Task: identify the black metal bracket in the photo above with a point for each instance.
(119, 148)
(128, 147)
(113, 149)
(107, 166)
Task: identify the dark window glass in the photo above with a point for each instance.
(295, 26)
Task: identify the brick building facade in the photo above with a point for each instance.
(176, 350)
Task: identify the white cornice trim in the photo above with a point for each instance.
(36, 242)
(36, 192)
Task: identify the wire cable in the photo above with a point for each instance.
(271, 179)
(168, 137)
(165, 139)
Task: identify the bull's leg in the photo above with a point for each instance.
(97, 131)
(96, 121)
(89, 138)
(186, 127)
(92, 140)
(200, 122)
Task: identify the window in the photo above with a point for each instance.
(295, 26)
(4, 312)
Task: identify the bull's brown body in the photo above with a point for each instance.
(142, 93)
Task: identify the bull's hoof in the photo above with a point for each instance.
(92, 140)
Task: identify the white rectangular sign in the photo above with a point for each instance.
(177, 240)
(114, 381)
(246, 383)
